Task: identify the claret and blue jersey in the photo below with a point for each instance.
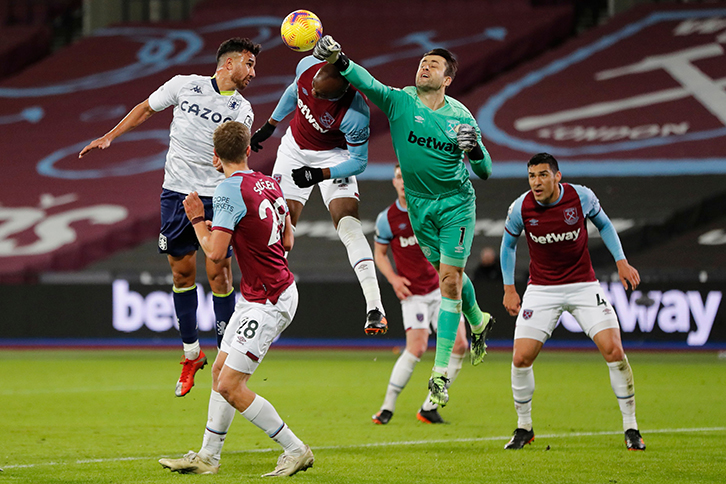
(321, 124)
(251, 207)
(557, 236)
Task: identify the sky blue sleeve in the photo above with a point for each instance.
(592, 210)
(384, 235)
(609, 235)
(229, 207)
(287, 103)
(514, 223)
(508, 257)
(356, 128)
(513, 227)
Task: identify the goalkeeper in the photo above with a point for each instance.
(431, 132)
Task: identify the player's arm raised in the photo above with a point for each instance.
(134, 118)
(328, 49)
(285, 106)
(215, 244)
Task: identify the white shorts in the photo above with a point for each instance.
(542, 307)
(421, 311)
(254, 326)
(291, 156)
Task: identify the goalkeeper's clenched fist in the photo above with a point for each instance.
(327, 49)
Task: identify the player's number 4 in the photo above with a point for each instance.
(277, 209)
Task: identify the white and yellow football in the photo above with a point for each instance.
(301, 30)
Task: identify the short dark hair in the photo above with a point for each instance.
(451, 63)
(231, 140)
(237, 44)
(544, 158)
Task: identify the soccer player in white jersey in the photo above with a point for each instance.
(201, 103)
(327, 144)
(416, 284)
(250, 213)
(553, 216)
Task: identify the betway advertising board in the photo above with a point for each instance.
(644, 95)
(655, 316)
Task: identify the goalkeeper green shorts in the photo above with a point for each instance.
(444, 227)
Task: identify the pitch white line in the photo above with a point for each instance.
(382, 444)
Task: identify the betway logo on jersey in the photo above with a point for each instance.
(430, 142)
(202, 112)
(408, 241)
(552, 238)
(305, 111)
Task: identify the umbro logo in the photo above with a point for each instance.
(197, 89)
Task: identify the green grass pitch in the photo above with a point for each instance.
(83, 416)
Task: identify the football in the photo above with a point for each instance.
(301, 30)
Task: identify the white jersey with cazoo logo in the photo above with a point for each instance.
(199, 107)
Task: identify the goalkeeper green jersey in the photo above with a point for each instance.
(432, 165)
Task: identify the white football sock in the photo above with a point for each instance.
(263, 414)
(400, 376)
(219, 418)
(621, 380)
(523, 390)
(191, 350)
(455, 364)
(360, 257)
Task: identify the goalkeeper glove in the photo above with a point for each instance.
(466, 137)
(327, 49)
(306, 177)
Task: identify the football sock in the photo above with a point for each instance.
(223, 310)
(523, 390)
(219, 418)
(400, 376)
(185, 306)
(473, 314)
(360, 257)
(191, 350)
(449, 316)
(621, 380)
(263, 414)
(455, 364)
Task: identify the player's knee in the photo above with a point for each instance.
(220, 282)
(216, 370)
(417, 349)
(226, 388)
(520, 360)
(613, 354)
(451, 285)
(349, 229)
(460, 347)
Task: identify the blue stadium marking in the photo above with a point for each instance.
(485, 115)
(134, 166)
